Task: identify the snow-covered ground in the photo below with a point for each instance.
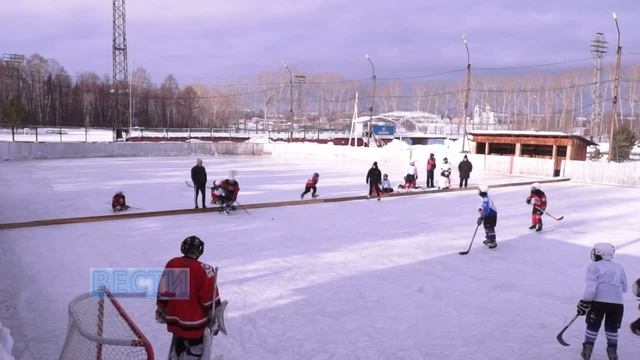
(350, 280)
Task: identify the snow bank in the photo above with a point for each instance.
(6, 343)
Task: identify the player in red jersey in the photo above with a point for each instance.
(538, 199)
(186, 295)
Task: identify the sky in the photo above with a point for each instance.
(358, 279)
(223, 41)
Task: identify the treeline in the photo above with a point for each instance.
(41, 92)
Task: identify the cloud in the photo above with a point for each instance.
(212, 41)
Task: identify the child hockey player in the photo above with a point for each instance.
(386, 184)
(538, 199)
(311, 186)
(635, 326)
(119, 202)
(444, 182)
(412, 176)
(602, 300)
(229, 189)
(488, 217)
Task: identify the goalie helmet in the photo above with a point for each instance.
(602, 251)
(192, 247)
(483, 189)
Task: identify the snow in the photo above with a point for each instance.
(6, 343)
(361, 279)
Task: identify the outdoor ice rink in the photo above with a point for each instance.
(348, 280)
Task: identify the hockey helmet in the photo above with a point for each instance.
(535, 186)
(445, 160)
(412, 162)
(217, 182)
(315, 174)
(192, 247)
(385, 176)
(602, 251)
(483, 188)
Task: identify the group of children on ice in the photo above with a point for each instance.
(605, 280)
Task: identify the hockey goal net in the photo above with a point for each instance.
(100, 329)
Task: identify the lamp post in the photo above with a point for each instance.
(290, 98)
(373, 98)
(466, 93)
(616, 86)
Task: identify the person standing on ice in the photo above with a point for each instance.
(431, 167)
(374, 176)
(464, 168)
(605, 282)
(185, 302)
(538, 199)
(199, 178)
(311, 185)
(488, 217)
(445, 174)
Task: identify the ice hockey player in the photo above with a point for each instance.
(311, 186)
(119, 202)
(386, 184)
(538, 199)
(411, 177)
(186, 308)
(374, 176)
(605, 283)
(216, 192)
(635, 325)
(488, 217)
(444, 182)
(431, 167)
(229, 193)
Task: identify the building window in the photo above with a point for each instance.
(502, 149)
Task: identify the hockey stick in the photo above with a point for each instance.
(473, 238)
(242, 207)
(188, 183)
(559, 337)
(549, 215)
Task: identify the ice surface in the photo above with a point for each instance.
(351, 280)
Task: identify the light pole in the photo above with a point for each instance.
(291, 98)
(373, 98)
(466, 93)
(616, 86)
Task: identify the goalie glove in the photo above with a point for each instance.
(528, 200)
(216, 319)
(583, 307)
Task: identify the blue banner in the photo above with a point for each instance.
(383, 129)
